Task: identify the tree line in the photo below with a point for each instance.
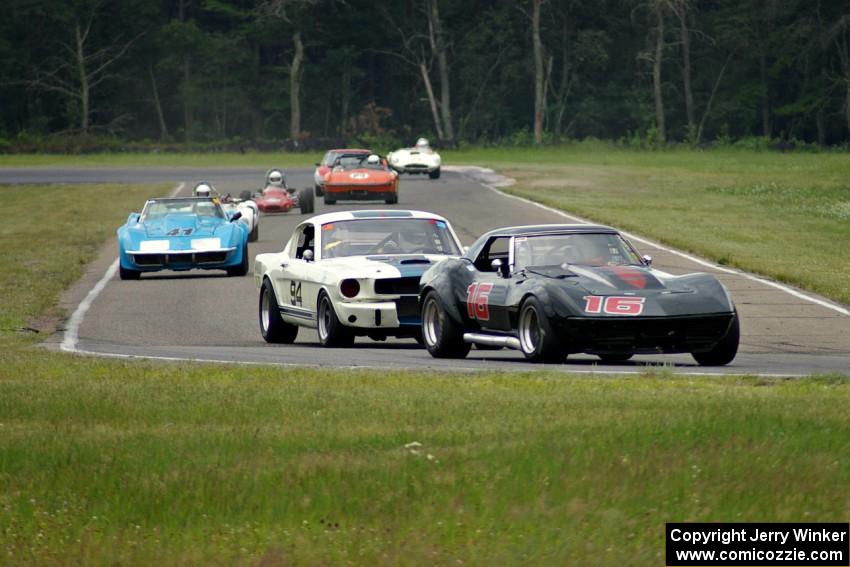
(478, 71)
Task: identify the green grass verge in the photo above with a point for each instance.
(49, 234)
(249, 159)
(786, 216)
(106, 463)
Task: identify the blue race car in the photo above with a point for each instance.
(183, 234)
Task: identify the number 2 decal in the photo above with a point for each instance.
(614, 305)
(478, 301)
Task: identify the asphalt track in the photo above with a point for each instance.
(208, 316)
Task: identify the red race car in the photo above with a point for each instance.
(276, 197)
(361, 178)
(324, 167)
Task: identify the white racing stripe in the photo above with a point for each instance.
(495, 187)
(71, 335)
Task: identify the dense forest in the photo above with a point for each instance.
(519, 71)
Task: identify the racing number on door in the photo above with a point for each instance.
(614, 305)
(295, 293)
(478, 301)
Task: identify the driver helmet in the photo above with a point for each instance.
(422, 144)
(275, 178)
(203, 189)
(373, 159)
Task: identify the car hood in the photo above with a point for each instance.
(182, 225)
(609, 280)
(383, 266)
(360, 176)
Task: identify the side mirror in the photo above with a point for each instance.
(307, 256)
(500, 267)
(647, 260)
(236, 216)
(134, 217)
(465, 249)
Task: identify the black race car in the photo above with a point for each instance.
(555, 290)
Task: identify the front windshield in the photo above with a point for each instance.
(156, 210)
(387, 236)
(584, 249)
(350, 161)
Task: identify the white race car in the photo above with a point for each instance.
(418, 159)
(353, 273)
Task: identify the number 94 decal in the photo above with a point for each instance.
(614, 305)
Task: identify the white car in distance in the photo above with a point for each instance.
(352, 273)
(421, 158)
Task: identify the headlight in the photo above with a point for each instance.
(349, 288)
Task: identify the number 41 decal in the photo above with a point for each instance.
(614, 305)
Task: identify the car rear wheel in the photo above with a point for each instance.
(127, 274)
(723, 352)
(332, 333)
(537, 339)
(272, 326)
(434, 174)
(255, 232)
(318, 189)
(443, 339)
(242, 268)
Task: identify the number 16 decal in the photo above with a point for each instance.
(478, 301)
(614, 305)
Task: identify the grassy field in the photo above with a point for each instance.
(786, 216)
(106, 462)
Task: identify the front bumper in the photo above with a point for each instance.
(646, 335)
(416, 168)
(393, 314)
(210, 259)
(360, 192)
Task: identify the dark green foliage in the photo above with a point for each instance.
(206, 70)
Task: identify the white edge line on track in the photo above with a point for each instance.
(72, 329)
(789, 290)
(70, 337)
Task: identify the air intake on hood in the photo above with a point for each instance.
(416, 261)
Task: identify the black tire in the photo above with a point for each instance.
(434, 174)
(618, 357)
(127, 274)
(243, 267)
(392, 199)
(443, 339)
(306, 201)
(537, 339)
(318, 189)
(329, 200)
(723, 352)
(245, 195)
(332, 333)
(272, 326)
(255, 232)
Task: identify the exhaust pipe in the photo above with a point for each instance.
(491, 340)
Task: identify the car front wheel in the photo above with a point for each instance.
(242, 268)
(723, 352)
(537, 339)
(127, 274)
(442, 338)
(332, 333)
